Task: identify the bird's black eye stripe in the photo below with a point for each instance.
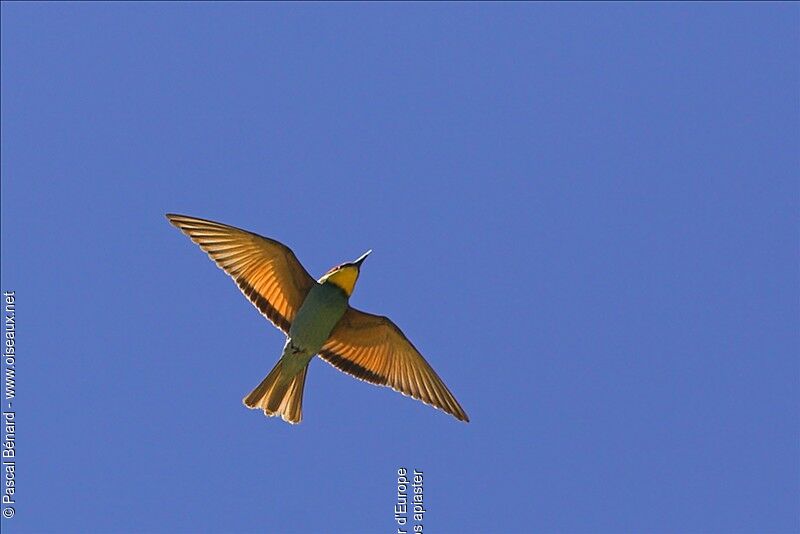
(352, 368)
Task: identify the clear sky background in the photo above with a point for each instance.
(585, 216)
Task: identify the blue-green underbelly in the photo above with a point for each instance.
(324, 306)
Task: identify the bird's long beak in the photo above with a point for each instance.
(363, 257)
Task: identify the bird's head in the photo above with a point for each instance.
(345, 275)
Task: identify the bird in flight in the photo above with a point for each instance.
(317, 318)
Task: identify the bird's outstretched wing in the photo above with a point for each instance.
(372, 348)
(267, 272)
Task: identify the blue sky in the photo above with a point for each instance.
(584, 215)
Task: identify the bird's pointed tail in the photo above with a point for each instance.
(279, 396)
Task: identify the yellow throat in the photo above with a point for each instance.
(344, 277)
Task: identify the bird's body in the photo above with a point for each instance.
(317, 319)
(321, 310)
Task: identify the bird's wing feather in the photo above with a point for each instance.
(267, 272)
(374, 349)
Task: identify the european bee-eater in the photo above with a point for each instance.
(317, 318)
